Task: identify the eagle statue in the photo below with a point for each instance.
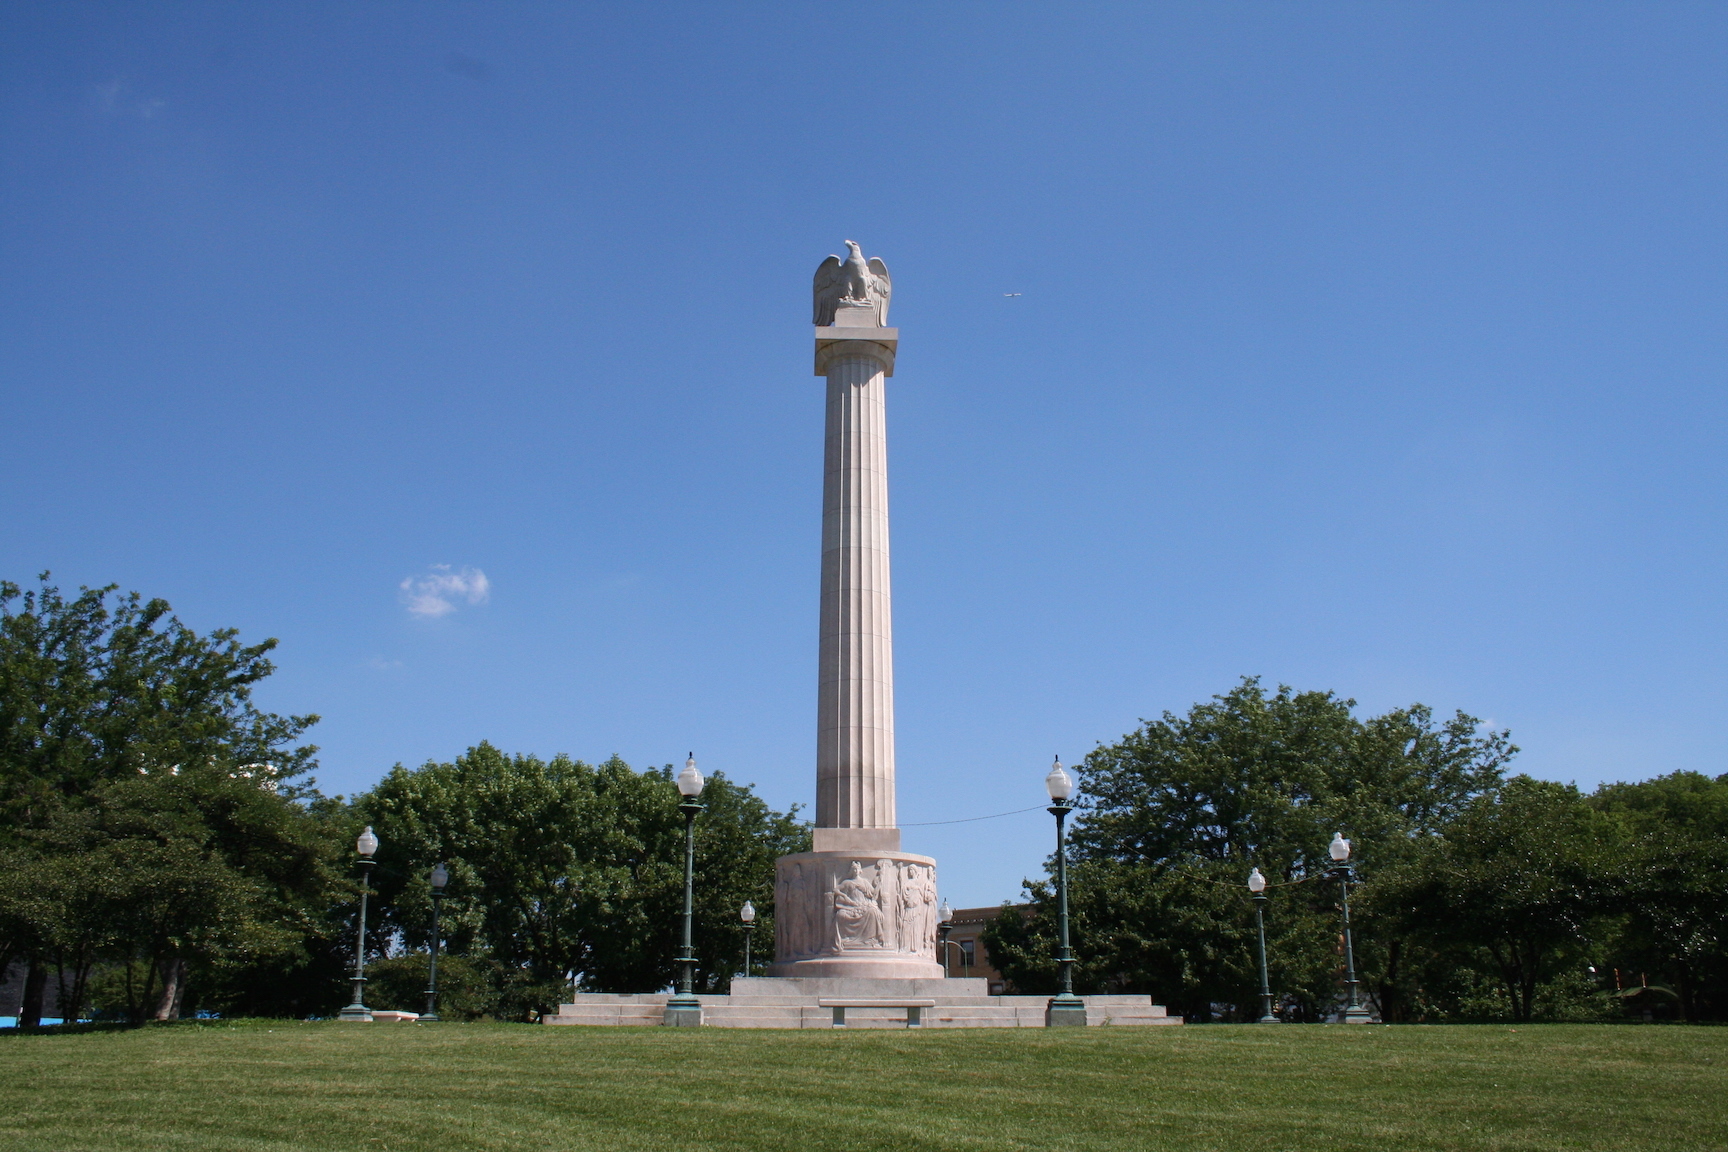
(853, 281)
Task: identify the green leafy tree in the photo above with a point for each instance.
(135, 775)
(1174, 816)
(1671, 887)
(469, 987)
(559, 867)
(1523, 876)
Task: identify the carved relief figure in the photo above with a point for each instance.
(812, 916)
(855, 282)
(887, 901)
(799, 917)
(931, 917)
(787, 923)
(927, 938)
(826, 907)
(917, 896)
(857, 917)
(783, 938)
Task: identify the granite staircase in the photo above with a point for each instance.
(767, 1002)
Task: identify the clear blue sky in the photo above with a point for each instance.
(1368, 347)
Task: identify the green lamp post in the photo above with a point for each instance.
(684, 1010)
(440, 877)
(1339, 850)
(747, 915)
(1064, 1008)
(1257, 885)
(366, 845)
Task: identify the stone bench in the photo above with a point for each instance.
(914, 1008)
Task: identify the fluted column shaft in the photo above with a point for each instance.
(855, 710)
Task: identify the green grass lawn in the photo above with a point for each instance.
(451, 1087)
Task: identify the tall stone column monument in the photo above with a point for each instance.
(855, 906)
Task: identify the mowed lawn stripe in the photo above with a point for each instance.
(264, 1086)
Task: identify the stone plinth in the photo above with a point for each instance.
(811, 989)
(855, 915)
(766, 1002)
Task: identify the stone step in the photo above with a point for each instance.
(775, 1005)
(745, 1018)
(1098, 1019)
(597, 1019)
(859, 987)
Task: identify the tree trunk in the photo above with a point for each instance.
(1532, 969)
(173, 988)
(1683, 985)
(1511, 975)
(35, 986)
(1391, 996)
(72, 1002)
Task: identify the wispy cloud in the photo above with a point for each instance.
(117, 98)
(442, 590)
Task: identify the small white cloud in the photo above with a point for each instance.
(117, 98)
(439, 592)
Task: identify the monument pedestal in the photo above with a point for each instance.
(766, 1002)
(855, 915)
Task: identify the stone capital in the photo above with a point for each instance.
(880, 344)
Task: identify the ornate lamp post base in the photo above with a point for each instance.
(356, 1013)
(1065, 1009)
(683, 1012)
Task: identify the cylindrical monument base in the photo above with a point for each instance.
(855, 914)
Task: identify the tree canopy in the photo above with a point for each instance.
(1477, 895)
(162, 849)
(559, 868)
(149, 808)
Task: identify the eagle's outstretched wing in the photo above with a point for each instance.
(882, 286)
(827, 289)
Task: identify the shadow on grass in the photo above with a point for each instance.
(82, 1028)
(91, 1027)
